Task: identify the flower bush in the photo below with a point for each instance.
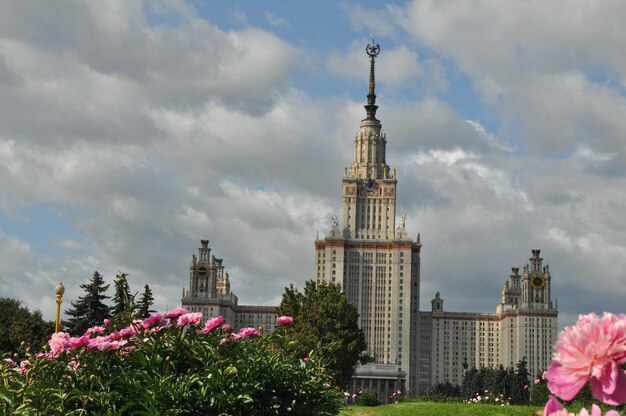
(591, 353)
(171, 365)
(489, 397)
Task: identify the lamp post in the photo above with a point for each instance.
(59, 289)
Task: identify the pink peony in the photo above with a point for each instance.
(593, 350)
(194, 319)
(106, 321)
(537, 381)
(175, 313)
(227, 328)
(212, 323)
(153, 320)
(96, 330)
(59, 342)
(554, 408)
(79, 342)
(284, 320)
(246, 333)
(129, 331)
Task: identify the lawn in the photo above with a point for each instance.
(440, 409)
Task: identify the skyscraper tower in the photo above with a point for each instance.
(376, 263)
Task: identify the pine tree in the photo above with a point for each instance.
(521, 386)
(143, 306)
(88, 310)
(122, 298)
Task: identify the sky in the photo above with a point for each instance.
(130, 130)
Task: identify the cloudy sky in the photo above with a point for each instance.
(130, 130)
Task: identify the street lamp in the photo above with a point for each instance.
(59, 289)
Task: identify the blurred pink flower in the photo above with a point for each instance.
(106, 321)
(284, 320)
(59, 342)
(306, 359)
(537, 381)
(79, 342)
(175, 313)
(193, 318)
(246, 333)
(554, 408)
(129, 331)
(526, 387)
(227, 328)
(212, 323)
(95, 330)
(593, 350)
(151, 321)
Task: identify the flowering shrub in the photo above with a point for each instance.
(167, 364)
(593, 352)
(489, 397)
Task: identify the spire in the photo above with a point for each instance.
(372, 49)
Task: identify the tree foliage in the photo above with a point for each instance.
(511, 383)
(326, 320)
(122, 299)
(145, 302)
(18, 324)
(89, 310)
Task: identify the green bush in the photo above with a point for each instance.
(158, 367)
(367, 399)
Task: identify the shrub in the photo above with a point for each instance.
(367, 399)
(167, 366)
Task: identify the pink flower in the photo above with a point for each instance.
(284, 320)
(554, 408)
(537, 381)
(175, 313)
(593, 350)
(96, 330)
(79, 342)
(224, 340)
(59, 342)
(544, 375)
(128, 332)
(227, 328)
(212, 323)
(194, 319)
(526, 387)
(10, 362)
(354, 395)
(73, 365)
(246, 333)
(306, 359)
(153, 320)
(106, 321)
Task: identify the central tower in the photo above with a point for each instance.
(376, 263)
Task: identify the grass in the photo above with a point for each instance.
(440, 409)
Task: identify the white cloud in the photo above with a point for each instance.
(275, 20)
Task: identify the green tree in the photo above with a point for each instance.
(122, 299)
(144, 304)
(90, 309)
(520, 393)
(18, 324)
(326, 320)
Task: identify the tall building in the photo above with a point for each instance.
(524, 326)
(377, 264)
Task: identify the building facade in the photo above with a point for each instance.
(209, 293)
(524, 326)
(378, 267)
(377, 264)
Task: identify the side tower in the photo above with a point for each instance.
(376, 263)
(529, 318)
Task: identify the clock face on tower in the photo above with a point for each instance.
(370, 185)
(537, 281)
